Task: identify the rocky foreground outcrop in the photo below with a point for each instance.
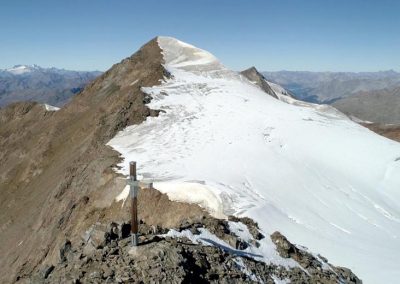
(104, 255)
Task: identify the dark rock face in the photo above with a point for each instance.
(162, 259)
(65, 250)
(254, 76)
(251, 225)
(47, 271)
(284, 247)
(313, 264)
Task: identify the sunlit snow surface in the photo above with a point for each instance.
(51, 108)
(265, 251)
(307, 171)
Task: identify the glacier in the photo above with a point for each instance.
(305, 170)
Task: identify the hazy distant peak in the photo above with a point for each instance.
(45, 85)
(22, 69)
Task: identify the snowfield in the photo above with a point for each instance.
(51, 108)
(305, 170)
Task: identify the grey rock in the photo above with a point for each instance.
(65, 251)
(254, 76)
(174, 260)
(47, 271)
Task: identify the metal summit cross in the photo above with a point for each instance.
(134, 185)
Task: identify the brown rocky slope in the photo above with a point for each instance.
(55, 165)
(388, 130)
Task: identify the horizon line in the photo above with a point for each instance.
(259, 69)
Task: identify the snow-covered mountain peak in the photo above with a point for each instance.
(22, 69)
(181, 55)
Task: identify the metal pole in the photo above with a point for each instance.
(134, 193)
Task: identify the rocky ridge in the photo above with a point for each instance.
(104, 255)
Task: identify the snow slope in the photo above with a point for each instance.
(51, 108)
(309, 172)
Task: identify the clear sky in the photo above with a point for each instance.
(315, 35)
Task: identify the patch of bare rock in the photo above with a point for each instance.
(104, 255)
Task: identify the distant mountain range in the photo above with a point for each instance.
(326, 87)
(368, 96)
(381, 106)
(45, 85)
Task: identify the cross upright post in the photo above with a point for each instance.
(134, 186)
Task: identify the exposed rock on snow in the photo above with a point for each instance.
(257, 78)
(191, 253)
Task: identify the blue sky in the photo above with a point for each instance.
(315, 35)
